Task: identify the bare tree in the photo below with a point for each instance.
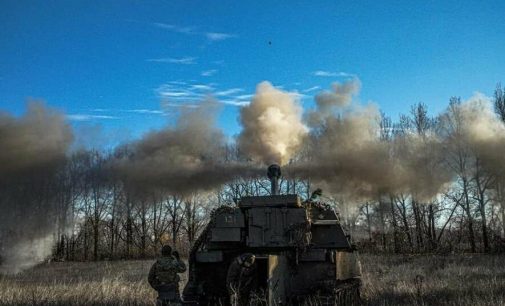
(483, 184)
(499, 105)
(499, 102)
(458, 159)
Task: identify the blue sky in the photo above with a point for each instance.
(123, 66)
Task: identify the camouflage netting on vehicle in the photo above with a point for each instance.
(303, 253)
(319, 205)
(204, 236)
(300, 235)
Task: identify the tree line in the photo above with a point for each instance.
(97, 216)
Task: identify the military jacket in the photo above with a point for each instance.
(165, 272)
(241, 278)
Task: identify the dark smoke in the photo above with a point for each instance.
(32, 149)
(37, 140)
(190, 157)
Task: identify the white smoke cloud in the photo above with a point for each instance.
(347, 156)
(26, 253)
(474, 125)
(272, 125)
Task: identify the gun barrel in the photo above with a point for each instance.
(274, 174)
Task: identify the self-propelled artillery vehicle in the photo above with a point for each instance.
(302, 254)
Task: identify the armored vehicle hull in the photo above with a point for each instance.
(302, 254)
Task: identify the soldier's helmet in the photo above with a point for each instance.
(166, 250)
(247, 259)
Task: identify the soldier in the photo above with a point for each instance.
(241, 279)
(163, 277)
(316, 195)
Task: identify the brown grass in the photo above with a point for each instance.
(434, 280)
(80, 283)
(392, 280)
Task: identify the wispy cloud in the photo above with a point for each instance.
(231, 97)
(212, 36)
(141, 111)
(235, 102)
(323, 73)
(208, 73)
(189, 94)
(174, 92)
(179, 105)
(228, 92)
(202, 87)
(188, 60)
(216, 36)
(168, 93)
(87, 117)
(146, 111)
(178, 82)
(311, 89)
(244, 97)
(174, 28)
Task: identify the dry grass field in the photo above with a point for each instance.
(434, 280)
(80, 283)
(394, 280)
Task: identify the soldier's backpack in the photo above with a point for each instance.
(166, 271)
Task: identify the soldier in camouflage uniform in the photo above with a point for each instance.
(241, 279)
(163, 277)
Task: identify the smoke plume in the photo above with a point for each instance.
(419, 166)
(328, 102)
(347, 156)
(37, 140)
(272, 125)
(183, 159)
(339, 145)
(33, 148)
(474, 126)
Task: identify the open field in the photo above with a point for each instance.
(80, 283)
(393, 280)
(434, 280)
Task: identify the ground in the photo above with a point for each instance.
(387, 280)
(434, 280)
